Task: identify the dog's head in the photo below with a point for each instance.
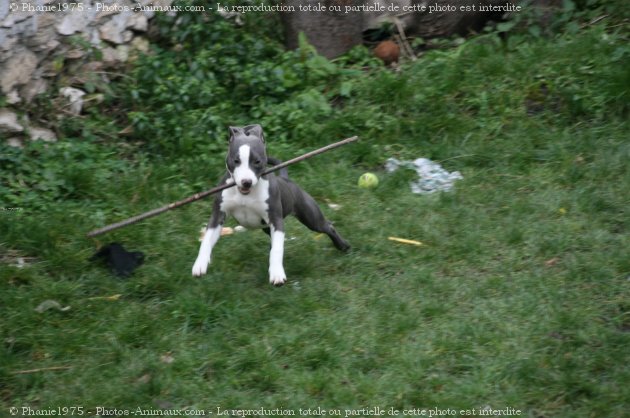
(246, 159)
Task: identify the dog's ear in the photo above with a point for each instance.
(234, 130)
(254, 130)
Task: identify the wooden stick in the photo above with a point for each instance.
(43, 369)
(201, 195)
(404, 43)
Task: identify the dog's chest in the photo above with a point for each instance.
(251, 210)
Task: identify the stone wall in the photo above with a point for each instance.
(38, 42)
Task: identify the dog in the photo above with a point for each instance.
(258, 201)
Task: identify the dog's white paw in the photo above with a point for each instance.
(201, 266)
(277, 276)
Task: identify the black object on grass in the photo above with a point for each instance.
(120, 261)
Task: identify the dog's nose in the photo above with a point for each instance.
(246, 183)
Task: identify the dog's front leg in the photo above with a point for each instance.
(212, 235)
(205, 250)
(277, 277)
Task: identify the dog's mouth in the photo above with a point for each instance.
(244, 190)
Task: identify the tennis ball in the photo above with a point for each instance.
(368, 181)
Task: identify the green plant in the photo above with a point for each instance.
(210, 73)
(42, 175)
(570, 17)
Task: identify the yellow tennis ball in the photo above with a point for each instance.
(368, 181)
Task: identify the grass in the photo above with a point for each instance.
(518, 298)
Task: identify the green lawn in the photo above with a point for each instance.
(519, 297)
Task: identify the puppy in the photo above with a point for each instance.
(258, 201)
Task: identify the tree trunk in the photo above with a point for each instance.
(331, 31)
(443, 18)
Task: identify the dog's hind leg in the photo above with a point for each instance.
(340, 243)
(308, 212)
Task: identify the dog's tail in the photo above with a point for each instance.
(283, 172)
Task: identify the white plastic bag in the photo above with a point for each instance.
(431, 176)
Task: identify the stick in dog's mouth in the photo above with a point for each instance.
(201, 195)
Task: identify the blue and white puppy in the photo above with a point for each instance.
(260, 202)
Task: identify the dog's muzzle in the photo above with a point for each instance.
(245, 187)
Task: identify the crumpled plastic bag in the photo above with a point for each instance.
(431, 176)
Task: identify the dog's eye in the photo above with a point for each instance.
(257, 162)
(237, 161)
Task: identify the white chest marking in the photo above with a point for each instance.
(249, 210)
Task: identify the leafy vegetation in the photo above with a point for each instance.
(518, 297)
